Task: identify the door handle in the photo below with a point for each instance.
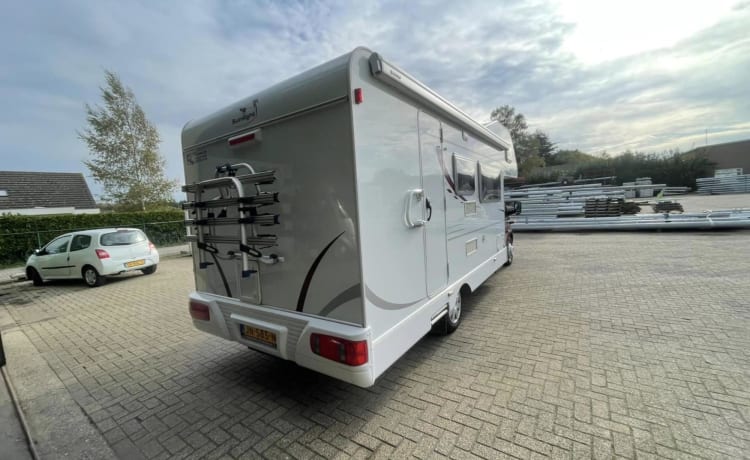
(411, 196)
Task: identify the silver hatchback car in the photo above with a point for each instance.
(93, 255)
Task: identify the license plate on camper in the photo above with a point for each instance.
(135, 263)
(258, 335)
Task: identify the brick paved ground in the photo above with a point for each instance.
(599, 345)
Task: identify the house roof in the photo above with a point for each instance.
(728, 155)
(23, 190)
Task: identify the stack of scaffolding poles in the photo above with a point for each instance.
(724, 184)
(722, 219)
(570, 201)
(586, 207)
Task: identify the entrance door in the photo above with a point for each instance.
(433, 184)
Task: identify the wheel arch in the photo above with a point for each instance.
(83, 269)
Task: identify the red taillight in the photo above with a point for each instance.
(151, 247)
(341, 350)
(200, 311)
(358, 96)
(102, 254)
(244, 137)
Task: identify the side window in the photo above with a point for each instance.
(80, 242)
(58, 246)
(490, 184)
(465, 175)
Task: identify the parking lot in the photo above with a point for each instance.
(590, 345)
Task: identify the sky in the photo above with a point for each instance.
(599, 76)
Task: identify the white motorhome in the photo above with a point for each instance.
(339, 216)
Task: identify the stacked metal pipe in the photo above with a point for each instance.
(730, 218)
(719, 185)
(571, 200)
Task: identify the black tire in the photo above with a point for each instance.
(91, 277)
(149, 270)
(34, 276)
(509, 262)
(453, 318)
(509, 245)
(450, 321)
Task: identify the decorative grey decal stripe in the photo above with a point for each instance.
(354, 292)
(384, 304)
(311, 272)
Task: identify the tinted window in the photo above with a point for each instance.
(122, 238)
(465, 172)
(490, 184)
(58, 246)
(80, 242)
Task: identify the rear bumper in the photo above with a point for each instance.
(109, 267)
(292, 330)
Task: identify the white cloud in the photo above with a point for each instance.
(666, 73)
(606, 30)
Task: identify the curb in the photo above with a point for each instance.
(14, 278)
(24, 425)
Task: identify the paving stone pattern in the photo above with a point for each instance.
(589, 346)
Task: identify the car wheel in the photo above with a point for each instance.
(34, 276)
(91, 277)
(509, 245)
(510, 254)
(149, 270)
(453, 318)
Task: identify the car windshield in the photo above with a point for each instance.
(122, 238)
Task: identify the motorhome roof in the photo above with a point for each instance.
(322, 85)
(412, 87)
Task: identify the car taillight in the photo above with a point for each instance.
(200, 311)
(341, 350)
(151, 247)
(102, 254)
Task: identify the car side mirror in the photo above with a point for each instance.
(39, 252)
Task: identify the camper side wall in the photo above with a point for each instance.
(475, 214)
(420, 239)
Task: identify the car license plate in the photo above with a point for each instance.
(135, 263)
(258, 335)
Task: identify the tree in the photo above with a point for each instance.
(546, 147)
(515, 122)
(125, 150)
(533, 150)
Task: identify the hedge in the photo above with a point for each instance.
(20, 235)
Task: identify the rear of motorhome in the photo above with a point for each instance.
(339, 216)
